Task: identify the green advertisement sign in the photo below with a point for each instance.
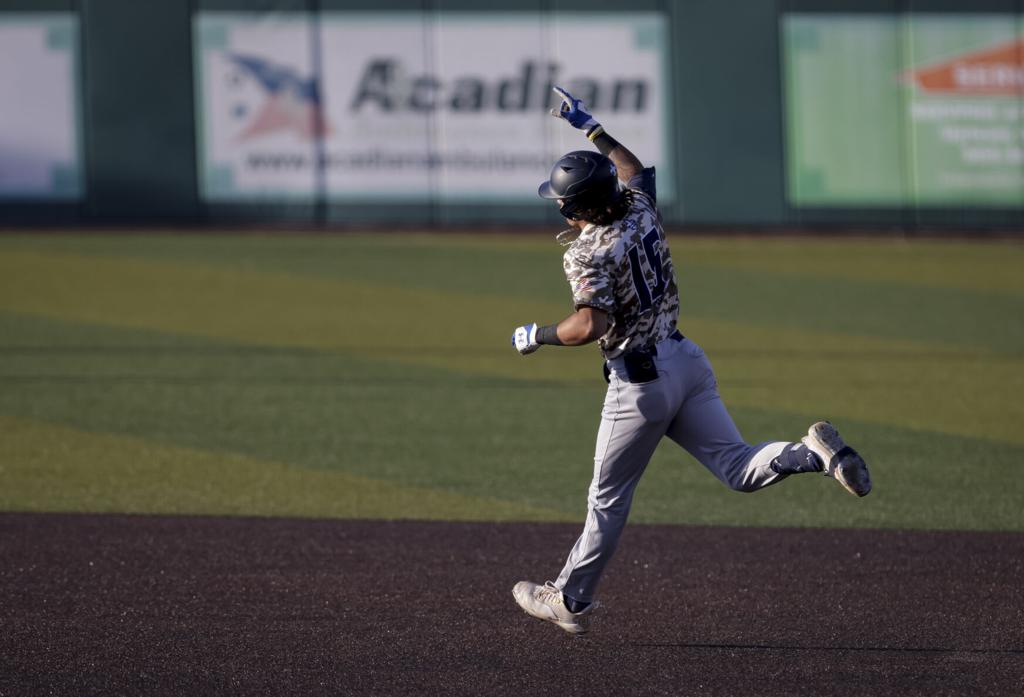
(890, 110)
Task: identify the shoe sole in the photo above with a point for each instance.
(852, 473)
(846, 466)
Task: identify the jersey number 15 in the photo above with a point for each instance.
(645, 293)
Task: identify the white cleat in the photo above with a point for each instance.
(842, 462)
(547, 603)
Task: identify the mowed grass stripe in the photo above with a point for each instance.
(903, 383)
(253, 307)
(832, 376)
(941, 293)
(436, 328)
(986, 266)
(989, 267)
(937, 316)
(50, 467)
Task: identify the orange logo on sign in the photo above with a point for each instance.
(997, 70)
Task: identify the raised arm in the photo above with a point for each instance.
(572, 110)
(626, 163)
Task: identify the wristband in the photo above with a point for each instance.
(548, 334)
(594, 132)
(604, 142)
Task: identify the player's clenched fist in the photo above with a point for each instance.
(524, 339)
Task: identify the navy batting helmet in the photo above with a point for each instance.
(582, 180)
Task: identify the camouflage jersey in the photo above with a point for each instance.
(626, 270)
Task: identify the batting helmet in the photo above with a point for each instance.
(582, 180)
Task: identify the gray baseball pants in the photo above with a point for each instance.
(683, 404)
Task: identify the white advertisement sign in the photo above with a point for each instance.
(450, 107)
(39, 140)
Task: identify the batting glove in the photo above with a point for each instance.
(573, 111)
(525, 339)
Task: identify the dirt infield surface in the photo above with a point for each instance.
(139, 605)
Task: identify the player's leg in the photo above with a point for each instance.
(633, 421)
(705, 429)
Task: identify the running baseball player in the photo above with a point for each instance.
(660, 383)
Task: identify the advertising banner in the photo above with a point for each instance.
(904, 110)
(449, 107)
(39, 134)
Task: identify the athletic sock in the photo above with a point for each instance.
(573, 605)
(796, 459)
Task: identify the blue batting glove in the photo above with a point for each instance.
(524, 339)
(573, 111)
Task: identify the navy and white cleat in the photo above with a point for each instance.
(842, 462)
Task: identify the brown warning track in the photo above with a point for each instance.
(146, 605)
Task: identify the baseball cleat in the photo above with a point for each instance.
(547, 603)
(842, 462)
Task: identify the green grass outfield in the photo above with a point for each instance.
(372, 376)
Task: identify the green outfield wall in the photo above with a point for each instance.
(766, 113)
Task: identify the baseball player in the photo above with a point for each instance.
(660, 383)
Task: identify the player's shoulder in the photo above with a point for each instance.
(595, 244)
(643, 200)
(643, 213)
(643, 182)
(641, 204)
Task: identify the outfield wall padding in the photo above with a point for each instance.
(748, 138)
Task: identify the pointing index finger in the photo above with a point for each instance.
(566, 97)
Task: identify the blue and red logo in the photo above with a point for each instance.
(291, 103)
